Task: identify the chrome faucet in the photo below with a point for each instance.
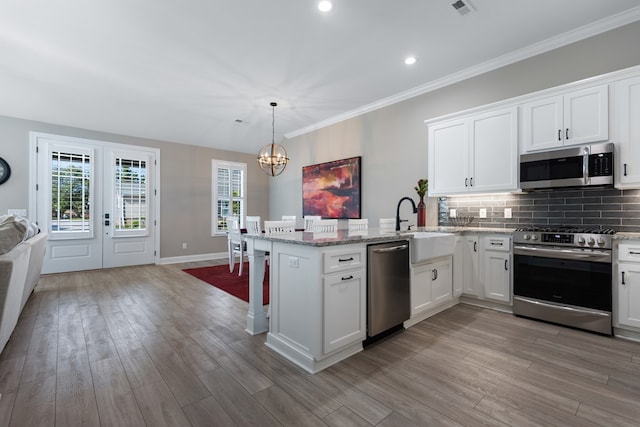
(398, 220)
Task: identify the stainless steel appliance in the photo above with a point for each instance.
(589, 165)
(563, 275)
(388, 297)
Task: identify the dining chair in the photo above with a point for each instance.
(325, 226)
(289, 218)
(279, 227)
(358, 224)
(387, 225)
(237, 245)
(308, 221)
(253, 225)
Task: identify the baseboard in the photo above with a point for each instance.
(193, 258)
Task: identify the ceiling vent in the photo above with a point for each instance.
(462, 7)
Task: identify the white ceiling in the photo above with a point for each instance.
(184, 71)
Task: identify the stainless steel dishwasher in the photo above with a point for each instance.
(388, 286)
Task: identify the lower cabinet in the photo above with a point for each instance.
(628, 285)
(318, 303)
(344, 321)
(431, 285)
(497, 268)
(466, 274)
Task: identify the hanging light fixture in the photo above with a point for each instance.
(273, 157)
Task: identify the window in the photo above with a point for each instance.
(71, 188)
(229, 192)
(130, 191)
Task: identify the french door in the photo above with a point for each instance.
(97, 201)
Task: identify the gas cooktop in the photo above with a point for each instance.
(576, 237)
(565, 229)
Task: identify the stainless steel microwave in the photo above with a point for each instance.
(584, 166)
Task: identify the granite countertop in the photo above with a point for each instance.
(626, 236)
(372, 235)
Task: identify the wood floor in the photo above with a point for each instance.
(155, 346)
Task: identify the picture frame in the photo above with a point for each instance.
(332, 189)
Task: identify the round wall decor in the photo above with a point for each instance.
(5, 171)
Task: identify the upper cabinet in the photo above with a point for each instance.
(626, 94)
(476, 153)
(577, 117)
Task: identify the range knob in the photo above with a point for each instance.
(534, 237)
(601, 241)
(591, 241)
(581, 240)
(526, 237)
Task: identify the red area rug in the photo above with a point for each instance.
(238, 286)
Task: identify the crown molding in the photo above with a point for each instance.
(547, 45)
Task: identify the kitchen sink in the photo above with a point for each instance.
(426, 245)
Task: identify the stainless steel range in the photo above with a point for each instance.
(563, 275)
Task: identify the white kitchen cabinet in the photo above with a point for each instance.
(496, 258)
(477, 153)
(318, 300)
(627, 110)
(431, 285)
(344, 296)
(628, 285)
(449, 157)
(465, 261)
(572, 118)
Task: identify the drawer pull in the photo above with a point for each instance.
(347, 278)
(345, 259)
(634, 253)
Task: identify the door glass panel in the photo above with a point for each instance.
(130, 196)
(71, 211)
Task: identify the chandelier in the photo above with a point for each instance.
(273, 157)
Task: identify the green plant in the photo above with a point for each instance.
(422, 187)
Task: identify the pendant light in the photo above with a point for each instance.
(273, 157)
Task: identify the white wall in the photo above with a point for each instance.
(393, 140)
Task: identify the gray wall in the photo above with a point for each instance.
(185, 183)
(393, 140)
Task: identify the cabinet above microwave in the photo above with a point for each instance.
(572, 118)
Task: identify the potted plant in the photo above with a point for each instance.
(421, 189)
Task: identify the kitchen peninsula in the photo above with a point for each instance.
(318, 288)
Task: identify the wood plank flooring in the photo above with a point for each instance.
(154, 346)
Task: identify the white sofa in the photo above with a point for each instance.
(19, 274)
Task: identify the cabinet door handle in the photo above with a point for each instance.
(345, 259)
(475, 246)
(471, 182)
(566, 134)
(466, 182)
(623, 282)
(559, 134)
(625, 169)
(347, 278)
(505, 265)
(434, 274)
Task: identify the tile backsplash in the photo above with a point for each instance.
(603, 207)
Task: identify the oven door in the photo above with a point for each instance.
(567, 286)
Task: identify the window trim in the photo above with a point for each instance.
(215, 165)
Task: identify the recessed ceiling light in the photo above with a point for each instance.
(410, 60)
(324, 6)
